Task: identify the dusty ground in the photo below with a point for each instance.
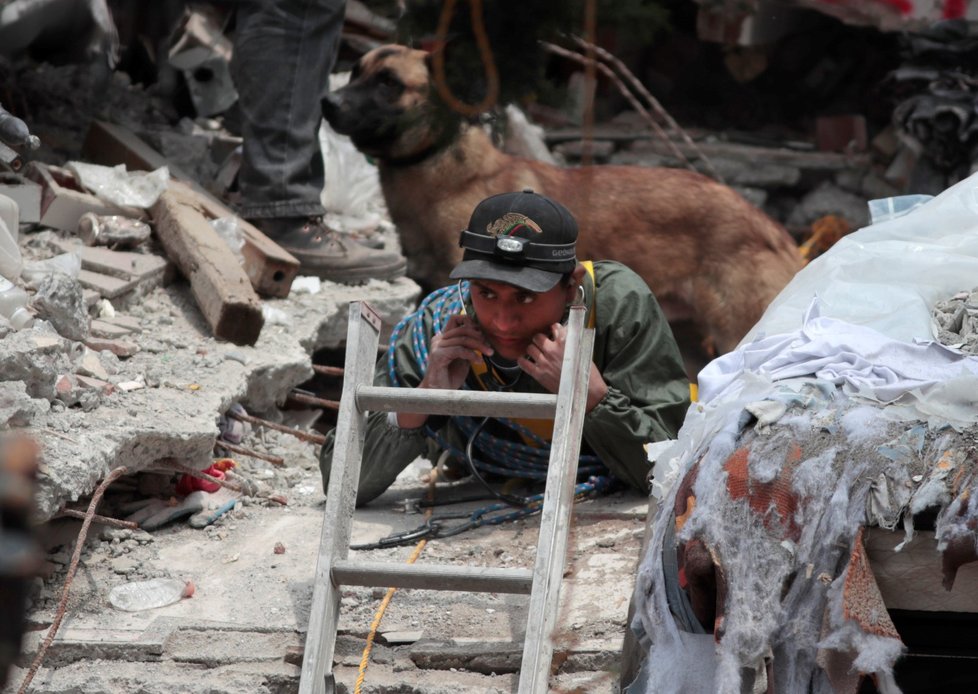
(240, 630)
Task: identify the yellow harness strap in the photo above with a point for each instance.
(544, 428)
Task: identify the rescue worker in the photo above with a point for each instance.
(502, 328)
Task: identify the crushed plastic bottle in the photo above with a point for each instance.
(147, 595)
(13, 305)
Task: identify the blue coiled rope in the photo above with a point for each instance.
(497, 455)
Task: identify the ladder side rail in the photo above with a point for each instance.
(551, 555)
(468, 403)
(361, 355)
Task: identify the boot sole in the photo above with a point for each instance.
(355, 275)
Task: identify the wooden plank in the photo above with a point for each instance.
(827, 161)
(821, 161)
(461, 402)
(426, 577)
(270, 268)
(341, 495)
(218, 282)
(558, 501)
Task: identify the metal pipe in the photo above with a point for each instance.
(316, 402)
(301, 435)
(273, 459)
(327, 370)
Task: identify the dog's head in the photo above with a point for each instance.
(387, 109)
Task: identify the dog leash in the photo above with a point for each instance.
(485, 54)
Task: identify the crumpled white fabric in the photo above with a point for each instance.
(865, 362)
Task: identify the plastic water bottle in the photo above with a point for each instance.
(147, 595)
(13, 305)
(11, 261)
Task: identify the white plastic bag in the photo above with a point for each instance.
(120, 187)
(888, 276)
(352, 183)
(65, 263)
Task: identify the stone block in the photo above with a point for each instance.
(106, 285)
(103, 329)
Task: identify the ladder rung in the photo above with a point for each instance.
(467, 403)
(475, 579)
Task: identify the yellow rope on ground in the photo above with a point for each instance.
(365, 658)
(379, 615)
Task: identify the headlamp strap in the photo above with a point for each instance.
(514, 247)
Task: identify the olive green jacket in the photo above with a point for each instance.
(648, 392)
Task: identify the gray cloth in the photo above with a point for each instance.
(284, 51)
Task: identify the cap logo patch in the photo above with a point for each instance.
(510, 223)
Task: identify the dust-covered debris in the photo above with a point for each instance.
(956, 321)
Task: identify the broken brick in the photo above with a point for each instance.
(120, 348)
(89, 383)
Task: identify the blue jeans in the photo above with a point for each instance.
(284, 51)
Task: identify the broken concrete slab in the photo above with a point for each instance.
(129, 323)
(106, 330)
(139, 427)
(196, 646)
(17, 408)
(36, 357)
(106, 286)
(110, 676)
(120, 276)
(124, 264)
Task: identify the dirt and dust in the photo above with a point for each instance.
(244, 625)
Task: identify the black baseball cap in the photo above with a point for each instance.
(523, 239)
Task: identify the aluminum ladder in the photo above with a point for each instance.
(334, 569)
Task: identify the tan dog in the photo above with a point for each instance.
(700, 246)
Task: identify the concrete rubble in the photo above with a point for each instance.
(121, 368)
(189, 378)
(128, 374)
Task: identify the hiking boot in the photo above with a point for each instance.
(328, 254)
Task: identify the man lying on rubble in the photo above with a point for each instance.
(502, 328)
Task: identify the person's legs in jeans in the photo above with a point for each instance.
(283, 54)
